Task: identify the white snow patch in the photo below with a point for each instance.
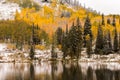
(8, 10)
(3, 47)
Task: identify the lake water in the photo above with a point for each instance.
(59, 71)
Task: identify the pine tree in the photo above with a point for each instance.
(119, 41)
(107, 43)
(79, 38)
(87, 30)
(115, 47)
(99, 41)
(103, 21)
(108, 21)
(36, 38)
(88, 45)
(72, 40)
(53, 53)
(65, 43)
(109, 40)
(64, 46)
(32, 51)
(75, 37)
(32, 45)
(67, 31)
(115, 44)
(114, 21)
(59, 33)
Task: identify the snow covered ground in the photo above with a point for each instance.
(2, 47)
(7, 10)
(8, 55)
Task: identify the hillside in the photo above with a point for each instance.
(52, 15)
(8, 10)
(49, 15)
(55, 14)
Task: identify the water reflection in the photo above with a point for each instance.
(59, 71)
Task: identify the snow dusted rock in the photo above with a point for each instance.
(3, 47)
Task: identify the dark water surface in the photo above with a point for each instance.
(59, 71)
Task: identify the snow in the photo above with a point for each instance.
(45, 55)
(2, 47)
(8, 10)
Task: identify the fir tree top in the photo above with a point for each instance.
(103, 22)
(87, 23)
(114, 21)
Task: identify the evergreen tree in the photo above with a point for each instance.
(32, 51)
(72, 40)
(108, 21)
(88, 45)
(64, 47)
(79, 37)
(109, 40)
(107, 43)
(99, 41)
(75, 37)
(53, 53)
(87, 30)
(59, 33)
(32, 45)
(119, 41)
(114, 21)
(115, 44)
(67, 31)
(103, 21)
(65, 43)
(36, 38)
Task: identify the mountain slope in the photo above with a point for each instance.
(8, 10)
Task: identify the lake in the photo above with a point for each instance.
(59, 71)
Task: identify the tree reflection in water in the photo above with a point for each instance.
(59, 71)
(32, 75)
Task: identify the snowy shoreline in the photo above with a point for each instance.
(17, 56)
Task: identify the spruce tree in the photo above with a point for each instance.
(79, 38)
(67, 29)
(32, 51)
(108, 21)
(72, 39)
(64, 47)
(32, 45)
(65, 43)
(88, 45)
(114, 21)
(99, 41)
(75, 37)
(59, 33)
(87, 30)
(53, 53)
(115, 44)
(109, 40)
(107, 43)
(103, 21)
(119, 41)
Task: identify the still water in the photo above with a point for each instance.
(59, 71)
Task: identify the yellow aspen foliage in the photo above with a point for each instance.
(60, 47)
(88, 37)
(40, 47)
(94, 31)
